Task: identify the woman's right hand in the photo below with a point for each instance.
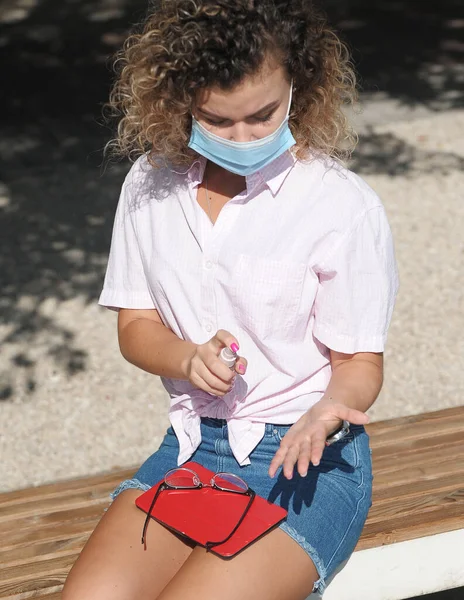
(205, 370)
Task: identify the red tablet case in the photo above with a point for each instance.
(208, 514)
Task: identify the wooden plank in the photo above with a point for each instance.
(47, 593)
(416, 473)
(414, 488)
(404, 448)
(378, 427)
(448, 421)
(78, 499)
(402, 529)
(50, 533)
(57, 518)
(39, 574)
(23, 554)
(64, 488)
(423, 504)
(48, 589)
(419, 467)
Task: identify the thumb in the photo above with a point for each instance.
(352, 415)
(223, 338)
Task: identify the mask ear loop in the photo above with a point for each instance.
(290, 100)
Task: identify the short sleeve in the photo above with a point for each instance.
(125, 284)
(357, 289)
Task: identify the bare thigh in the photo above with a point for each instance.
(114, 564)
(274, 568)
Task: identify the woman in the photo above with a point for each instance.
(239, 227)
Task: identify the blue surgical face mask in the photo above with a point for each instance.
(242, 158)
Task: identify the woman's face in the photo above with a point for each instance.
(251, 111)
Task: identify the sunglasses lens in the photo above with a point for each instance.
(230, 482)
(181, 478)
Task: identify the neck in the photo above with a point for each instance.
(222, 183)
(218, 173)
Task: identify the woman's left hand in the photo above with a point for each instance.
(305, 440)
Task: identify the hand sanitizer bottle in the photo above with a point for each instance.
(228, 357)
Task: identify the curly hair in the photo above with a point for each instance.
(186, 45)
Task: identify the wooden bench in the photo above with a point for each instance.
(413, 541)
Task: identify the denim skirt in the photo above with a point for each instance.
(327, 509)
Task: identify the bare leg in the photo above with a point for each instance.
(274, 568)
(114, 564)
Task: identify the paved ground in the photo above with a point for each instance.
(69, 404)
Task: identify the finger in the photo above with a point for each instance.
(215, 383)
(350, 414)
(278, 460)
(290, 460)
(241, 365)
(214, 364)
(201, 384)
(304, 457)
(219, 369)
(317, 447)
(224, 338)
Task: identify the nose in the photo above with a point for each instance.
(240, 132)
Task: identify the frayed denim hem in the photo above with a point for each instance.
(129, 484)
(320, 584)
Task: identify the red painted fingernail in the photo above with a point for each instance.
(234, 347)
(241, 368)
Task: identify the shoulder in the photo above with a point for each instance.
(143, 174)
(335, 188)
(333, 203)
(147, 184)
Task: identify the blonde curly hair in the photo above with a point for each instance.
(186, 45)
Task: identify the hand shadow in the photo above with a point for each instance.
(299, 490)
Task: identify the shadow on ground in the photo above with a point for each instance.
(57, 201)
(412, 50)
(456, 594)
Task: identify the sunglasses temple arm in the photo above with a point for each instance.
(211, 544)
(147, 520)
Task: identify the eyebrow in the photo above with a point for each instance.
(269, 107)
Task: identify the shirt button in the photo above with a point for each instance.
(209, 264)
(209, 328)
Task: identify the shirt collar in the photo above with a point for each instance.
(275, 173)
(194, 172)
(197, 170)
(272, 175)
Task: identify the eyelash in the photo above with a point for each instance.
(265, 119)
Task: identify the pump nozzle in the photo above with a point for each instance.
(228, 357)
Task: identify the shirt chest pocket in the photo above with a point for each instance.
(266, 296)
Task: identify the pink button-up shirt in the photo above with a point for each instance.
(301, 261)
